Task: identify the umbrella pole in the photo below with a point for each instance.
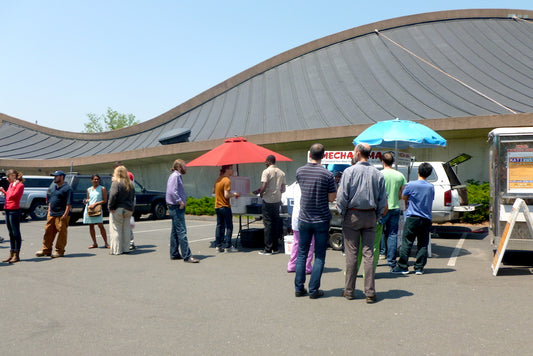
(396, 155)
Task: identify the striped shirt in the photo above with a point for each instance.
(316, 183)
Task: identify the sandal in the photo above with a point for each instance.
(93, 246)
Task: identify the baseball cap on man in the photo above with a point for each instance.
(58, 173)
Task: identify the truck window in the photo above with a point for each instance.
(451, 175)
(37, 182)
(413, 175)
(81, 184)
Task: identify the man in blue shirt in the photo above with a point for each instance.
(419, 195)
(59, 205)
(176, 200)
(318, 187)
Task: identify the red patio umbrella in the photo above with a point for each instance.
(235, 150)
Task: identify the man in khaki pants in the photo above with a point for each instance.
(59, 205)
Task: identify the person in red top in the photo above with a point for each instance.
(13, 214)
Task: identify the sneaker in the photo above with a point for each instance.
(300, 293)
(275, 252)
(219, 249)
(370, 300)
(398, 270)
(265, 253)
(382, 257)
(348, 295)
(419, 272)
(231, 249)
(132, 247)
(57, 254)
(319, 293)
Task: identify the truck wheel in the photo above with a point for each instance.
(335, 241)
(38, 210)
(159, 210)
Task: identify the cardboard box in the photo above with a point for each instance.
(238, 205)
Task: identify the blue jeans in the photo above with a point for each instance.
(418, 228)
(321, 233)
(13, 226)
(390, 236)
(224, 229)
(178, 234)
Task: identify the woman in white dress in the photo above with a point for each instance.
(96, 196)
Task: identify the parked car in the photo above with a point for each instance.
(33, 201)
(146, 201)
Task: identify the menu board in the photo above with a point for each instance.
(520, 170)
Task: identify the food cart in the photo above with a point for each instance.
(511, 177)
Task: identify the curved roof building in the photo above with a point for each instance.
(455, 71)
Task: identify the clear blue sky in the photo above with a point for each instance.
(63, 59)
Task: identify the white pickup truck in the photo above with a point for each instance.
(451, 198)
(33, 201)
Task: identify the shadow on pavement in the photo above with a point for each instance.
(393, 294)
(389, 275)
(456, 231)
(331, 270)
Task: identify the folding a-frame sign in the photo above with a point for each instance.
(518, 206)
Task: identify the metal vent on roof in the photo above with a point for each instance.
(175, 136)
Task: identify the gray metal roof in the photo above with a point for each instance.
(339, 81)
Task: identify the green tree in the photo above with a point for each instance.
(112, 120)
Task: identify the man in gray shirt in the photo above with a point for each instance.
(361, 200)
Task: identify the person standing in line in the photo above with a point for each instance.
(121, 204)
(394, 184)
(12, 210)
(318, 188)
(419, 195)
(222, 191)
(96, 198)
(4, 183)
(361, 200)
(59, 206)
(176, 201)
(291, 266)
(132, 178)
(272, 186)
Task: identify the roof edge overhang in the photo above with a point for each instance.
(445, 126)
(274, 62)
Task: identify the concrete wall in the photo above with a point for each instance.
(199, 180)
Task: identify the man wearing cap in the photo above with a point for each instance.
(59, 205)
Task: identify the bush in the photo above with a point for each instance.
(202, 206)
(478, 193)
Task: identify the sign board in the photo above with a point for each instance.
(518, 206)
(520, 169)
(345, 157)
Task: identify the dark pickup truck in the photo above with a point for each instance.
(146, 201)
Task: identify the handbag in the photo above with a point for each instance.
(96, 211)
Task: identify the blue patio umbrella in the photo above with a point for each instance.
(400, 134)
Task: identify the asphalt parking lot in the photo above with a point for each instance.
(91, 303)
